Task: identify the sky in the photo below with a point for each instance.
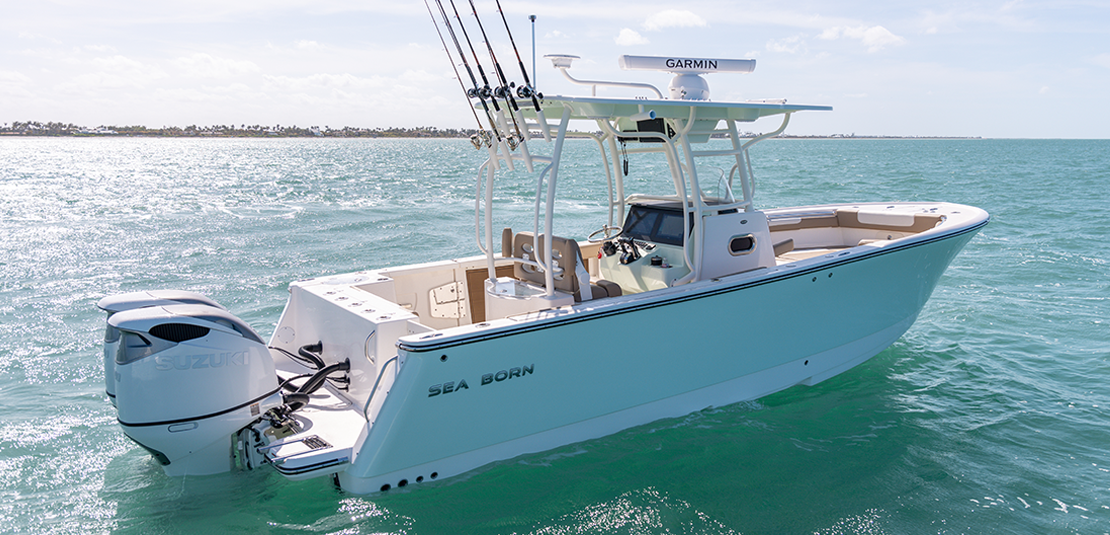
(1003, 69)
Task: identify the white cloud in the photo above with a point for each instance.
(119, 64)
(629, 37)
(933, 22)
(316, 82)
(12, 77)
(114, 72)
(1102, 60)
(15, 85)
(101, 48)
(420, 77)
(959, 18)
(92, 83)
(875, 38)
(207, 66)
(673, 18)
(789, 45)
(305, 44)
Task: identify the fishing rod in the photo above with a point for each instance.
(485, 90)
(526, 90)
(506, 90)
(508, 142)
(476, 140)
(500, 115)
(473, 92)
(480, 92)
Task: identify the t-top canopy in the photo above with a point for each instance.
(614, 108)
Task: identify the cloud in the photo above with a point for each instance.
(15, 84)
(207, 66)
(789, 45)
(875, 38)
(673, 18)
(957, 19)
(12, 77)
(1102, 60)
(111, 73)
(629, 37)
(325, 82)
(104, 49)
(118, 63)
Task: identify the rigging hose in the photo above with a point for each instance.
(311, 353)
(299, 398)
(317, 380)
(307, 356)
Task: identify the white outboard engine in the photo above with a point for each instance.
(187, 379)
(133, 300)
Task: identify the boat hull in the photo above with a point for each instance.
(459, 402)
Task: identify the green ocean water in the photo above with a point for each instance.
(988, 416)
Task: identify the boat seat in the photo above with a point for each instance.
(604, 288)
(784, 246)
(565, 255)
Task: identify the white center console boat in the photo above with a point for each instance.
(393, 377)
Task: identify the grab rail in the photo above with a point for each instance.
(375, 389)
(595, 83)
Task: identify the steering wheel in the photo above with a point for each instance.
(592, 238)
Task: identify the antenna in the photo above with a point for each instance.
(533, 19)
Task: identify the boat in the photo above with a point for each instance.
(396, 377)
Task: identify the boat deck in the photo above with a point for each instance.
(323, 437)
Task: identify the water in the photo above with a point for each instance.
(988, 416)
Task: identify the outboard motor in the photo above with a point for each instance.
(187, 379)
(130, 301)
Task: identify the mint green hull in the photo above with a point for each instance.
(587, 374)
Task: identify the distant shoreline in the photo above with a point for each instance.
(36, 135)
(36, 129)
(53, 129)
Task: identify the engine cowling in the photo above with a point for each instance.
(130, 301)
(188, 378)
